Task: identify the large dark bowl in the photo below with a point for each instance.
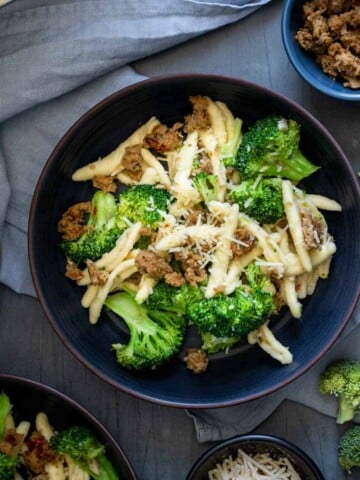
(253, 444)
(246, 373)
(29, 398)
(303, 62)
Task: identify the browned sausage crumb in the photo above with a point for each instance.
(97, 277)
(196, 360)
(175, 279)
(132, 162)
(331, 32)
(199, 118)
(11, 442)
(247, 242)
(72, 223)
(313, 229)
(148, 263)
(191, 265)
(72, 270)
(106, 184)
(164, 139)
(38, 453)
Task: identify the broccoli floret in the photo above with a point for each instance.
(173, 299)
(342, 379)
(155, 335)
(260, 200)
(8, 466)
(145, 204)
(229, 150)
(212, 344)
(104, 228)
(84, 449)
(207, 185)
(5, 409)
(271, 148)
(237, 314)
(349, 449)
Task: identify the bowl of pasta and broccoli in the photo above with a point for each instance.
(196, 231)
(45, 434)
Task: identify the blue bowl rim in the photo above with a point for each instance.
(31, 247)
(349, 95)
(272, 440)
(53, 392)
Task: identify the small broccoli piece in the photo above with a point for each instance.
(207, 186)
(238, 314)
(212, 344)
(5, 409)
(104, 228)
(342, 379)
(84, 449)
(145, 204)
(349, 449)
(229, 150)
(155, 335)
(271, 148)
(173, 299)
(8, 466)
(260, 200)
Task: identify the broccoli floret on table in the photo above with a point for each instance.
(207, 185)
(238, 314)
(103, 229)
(261, 200)
(84, 449)
(144, 203)
(342, 379)
(270, 148)
(155, 335)
(349, 449)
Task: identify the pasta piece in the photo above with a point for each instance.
(291, 298)
(295, 226)
(74, 472)
(23, 428)
(264, 337)
(312, 280)
(323, 253)
(324, 268)
(145, 288)
(210, 143)
(89, 295)
(301, 285)
(217, 122)
(111, 163)
(182, 234)
(223, 253)
(9, 422)
(324, 203)
(236, 267)
(152, 162)
(228, 118)
(43, 426)
(55, 471)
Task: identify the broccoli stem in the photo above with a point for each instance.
(296, 168)
(345, 410)
(106, 470)
(5, 409)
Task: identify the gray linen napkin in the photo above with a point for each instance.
(59, 58)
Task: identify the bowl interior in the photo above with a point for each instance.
(246, 372)
(303, 62)
(253, 444)
(29, 398)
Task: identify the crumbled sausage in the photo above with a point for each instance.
(38, 453)
(175, 279)
(97, 277)
(331, 32)
(72, 223)
(164, 139)
(148, 263)
(191, 265)
(247, 242)
(106, 184)
(199, 118)
(72, 270)
(196, 360)
(11, 442)
(194, 217)
(313, 229)
(132, 162)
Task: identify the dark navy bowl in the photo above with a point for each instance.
(29, 398)
(246, 372)
(303, 62)
(252, 444)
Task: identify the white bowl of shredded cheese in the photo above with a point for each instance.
(255, 457)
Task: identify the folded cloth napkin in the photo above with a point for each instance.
(222, 423)
(59, 58)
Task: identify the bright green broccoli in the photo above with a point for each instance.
(229, 150)
(270, 148)
(349, 449)
(84, 449)
(104, 228)
(8, 463)
(212, 344)
(155, 335)
(207, 185)
(173, 299)
(238, 314)
(342, 379)
(145, 204)
(261, 200)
